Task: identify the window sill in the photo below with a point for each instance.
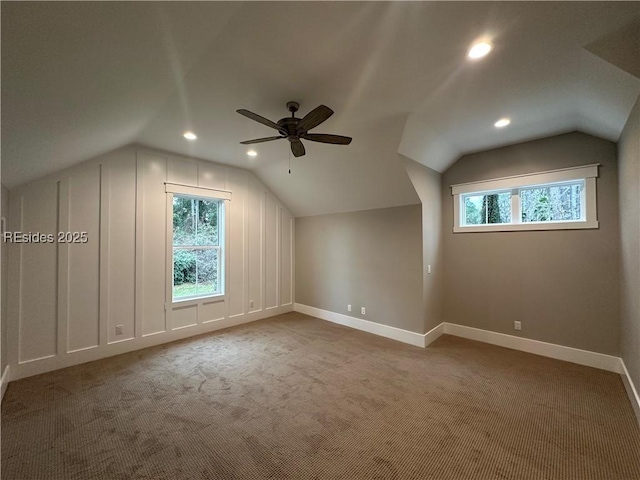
(188, 302)
(526, 227)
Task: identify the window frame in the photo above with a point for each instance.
(586, 174)
(207, 194)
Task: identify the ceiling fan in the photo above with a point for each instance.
(297, 129)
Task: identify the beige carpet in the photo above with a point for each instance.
(295, 397)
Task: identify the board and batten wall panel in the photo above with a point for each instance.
(183, 172)
(256, 250)
(212, 176)
(182, 317)
(34, 210)
(236, 244)
(152, 221)
(286, 257)
(68, 300)
(119, 177)
(271, 252)
(83, 259)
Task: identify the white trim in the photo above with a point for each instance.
(516, 181)
(149, 340)
(412, 338)
(223, 241)
(433, 334)
(196, 191)
(517, 227)
(544, 349)
(189, 302)
(83, 349)
(634, 398)
(551, 350)
(585, 174)
(4, 382)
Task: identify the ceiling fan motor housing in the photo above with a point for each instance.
(289, 126)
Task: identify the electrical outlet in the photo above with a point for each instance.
(517, 325)
(348, 308)
(119, 329)
(250, 303)
(363, 311)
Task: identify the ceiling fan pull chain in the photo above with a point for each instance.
(289, 162)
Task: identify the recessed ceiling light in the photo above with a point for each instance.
(503, 122)
(189, 135)
(479, 50)
(252, 153)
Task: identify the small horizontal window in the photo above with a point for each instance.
(559, 199)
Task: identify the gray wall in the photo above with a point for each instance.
(629, 195)
(370, 258)
(4, 284)
(562, 285)
(427, 185)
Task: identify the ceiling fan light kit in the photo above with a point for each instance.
(296, 129)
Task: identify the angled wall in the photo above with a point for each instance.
(629, 198)
(65, 300)
(426, 182)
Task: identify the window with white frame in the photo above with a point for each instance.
(553, 200)
(197, 242)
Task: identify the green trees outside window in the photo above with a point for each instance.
(489, 208)
(196, 247)
(551, 203)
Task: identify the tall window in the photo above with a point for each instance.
(558, 199)
(197, 247)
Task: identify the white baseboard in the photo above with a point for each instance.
(433, 334)
(551, 350)
(412, 338)
(559, 352)
(4, 382)
(634, 398)
(55, 362)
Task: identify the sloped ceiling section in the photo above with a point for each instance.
(79, 79)
(542, 78)
(82, 78)
(621, 47)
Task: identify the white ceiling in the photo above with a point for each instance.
(79, 79)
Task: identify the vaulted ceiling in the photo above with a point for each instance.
(80, 79)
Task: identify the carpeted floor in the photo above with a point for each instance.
(299, 398)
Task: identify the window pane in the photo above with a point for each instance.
(487, 208)
(184, 224)
(184, 273)
(208, 268)
(551, 204)
(207, 231)
(196, 272)
(196, 247)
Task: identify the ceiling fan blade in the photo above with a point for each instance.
(297, 148)
(314, 118)
(258, 118)
(327, 138)
(260, 140)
